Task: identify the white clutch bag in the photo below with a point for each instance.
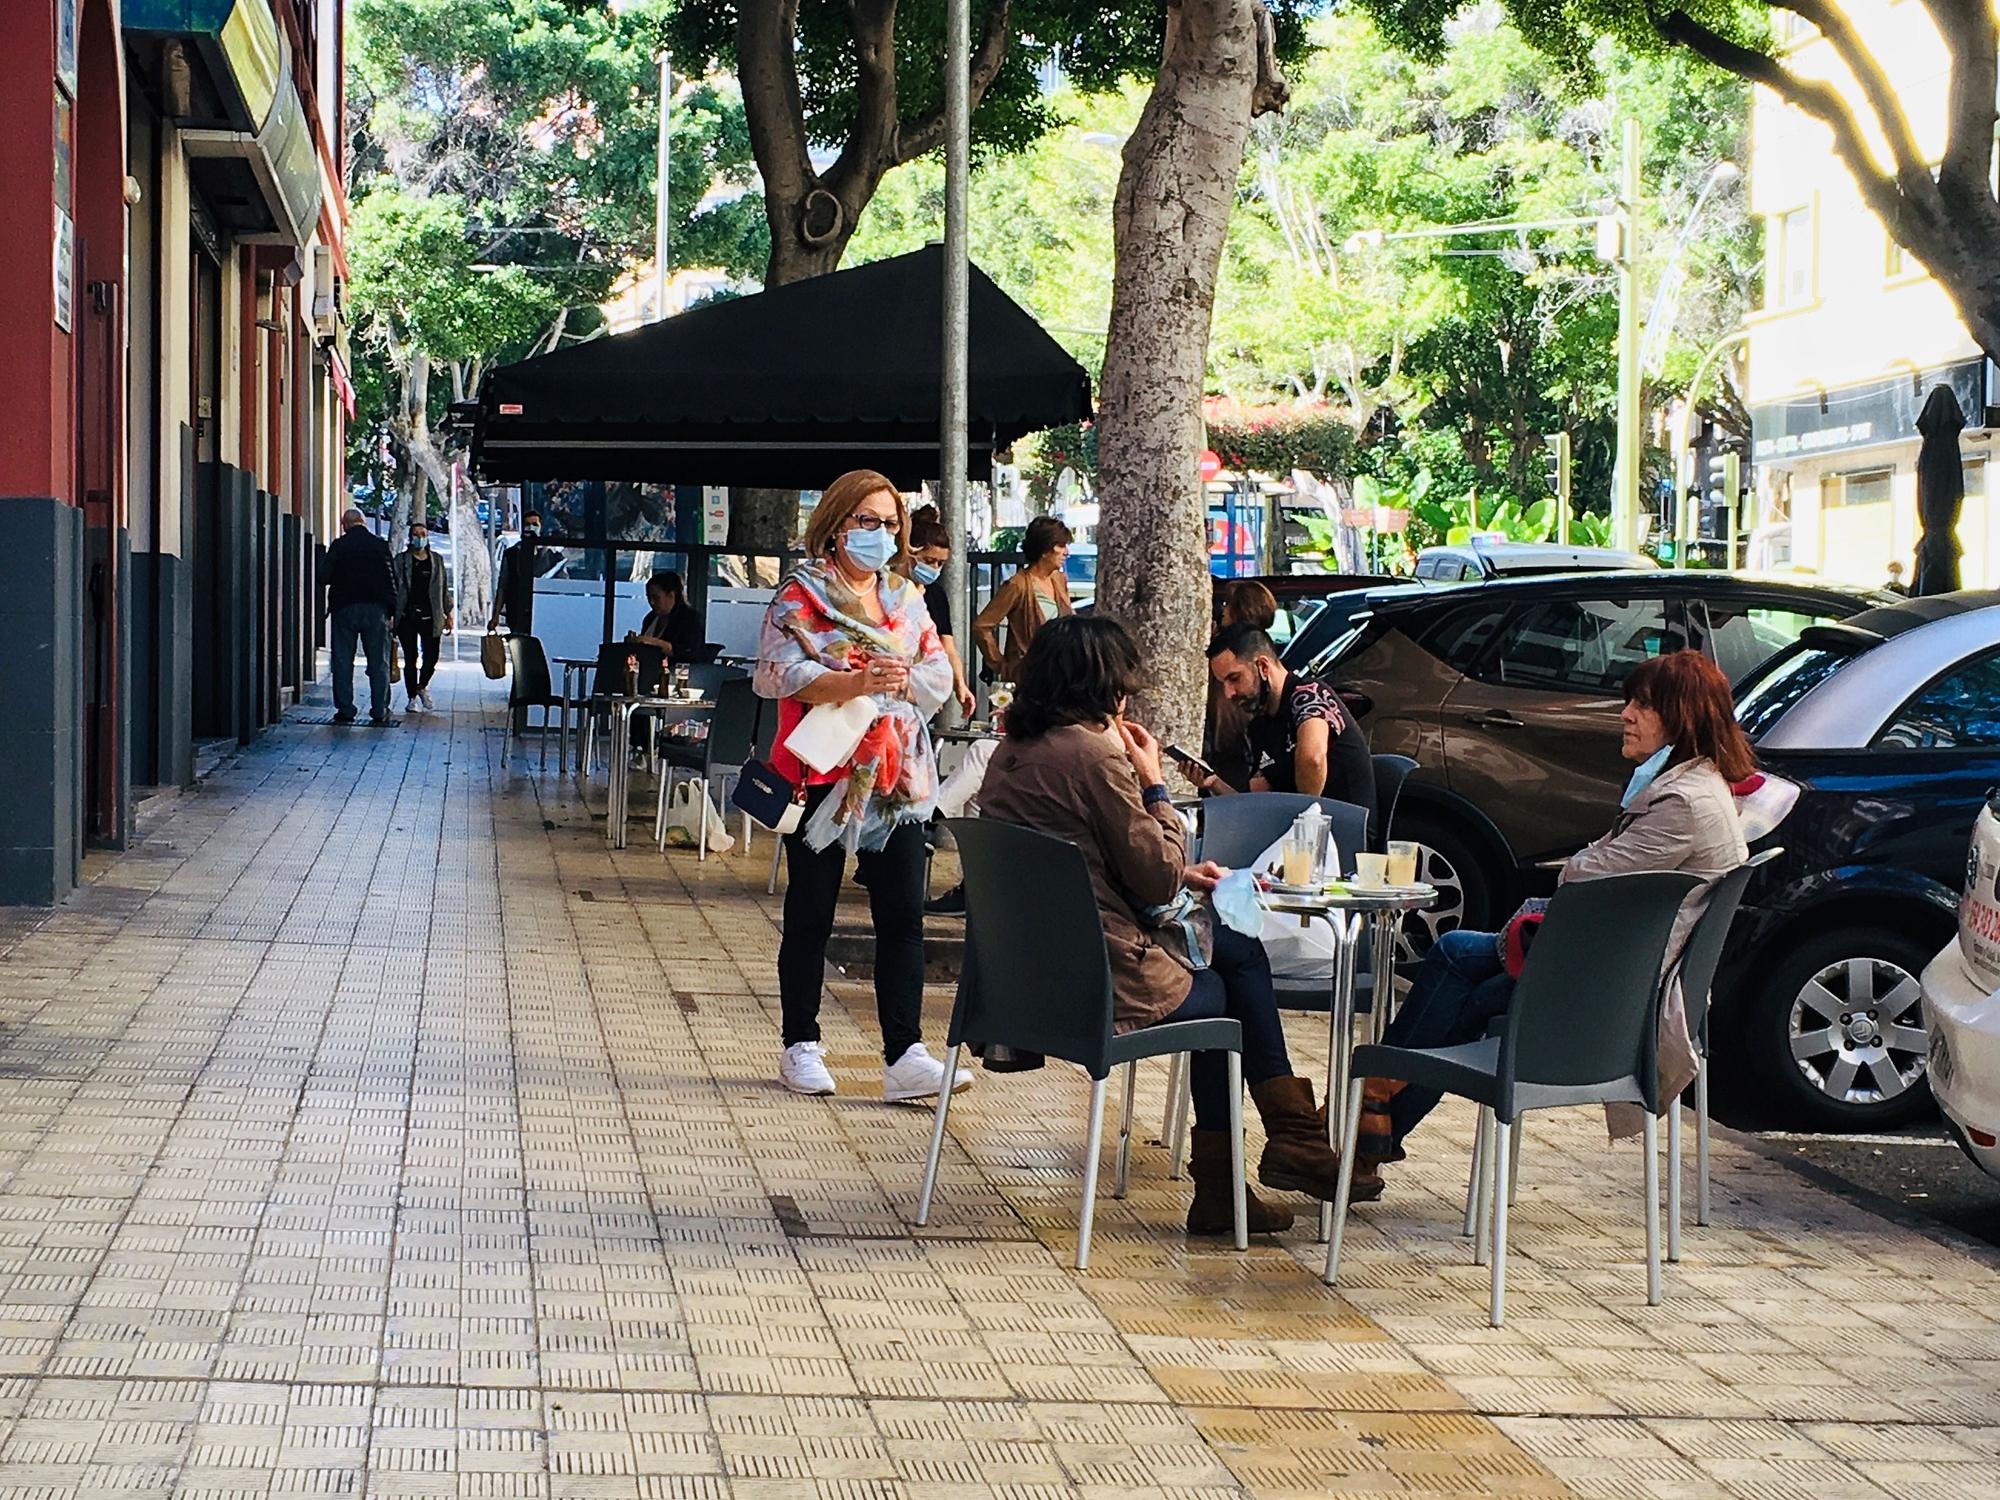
(828, 734)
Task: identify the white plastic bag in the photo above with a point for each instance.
(1296, 949)
(684, 814)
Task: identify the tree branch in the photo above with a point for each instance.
(989, 51)
(766, 34)
(1967, 28)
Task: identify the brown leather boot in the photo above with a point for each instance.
(1212, 1212)
(1296, 1157)
(1376, 1137)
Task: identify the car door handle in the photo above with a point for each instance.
(1495, 718)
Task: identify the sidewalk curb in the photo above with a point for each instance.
(1879, 1204)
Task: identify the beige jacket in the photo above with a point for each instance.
(1078, 784)
(1686, 820)
(1014, 605)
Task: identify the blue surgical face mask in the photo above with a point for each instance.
(531, 531)
(870, 550)
(419, 543)
(927, 573)
(1644, 774)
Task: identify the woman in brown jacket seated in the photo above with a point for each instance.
(1074, 767)
(1030, 599)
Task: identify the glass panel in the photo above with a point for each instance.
(1861, 487)
(1579, 645)
(640, 513)
(1959, 710)
(1742, 638)
(1785, 680)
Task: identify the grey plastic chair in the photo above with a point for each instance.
(608, 677)
(732, 732)
(529, 686)
(1037, 977)
(1698, 964)
(1582, 1028)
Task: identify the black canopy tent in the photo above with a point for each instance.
(785, 389)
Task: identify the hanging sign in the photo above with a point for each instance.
(65, 270)
(714, 514)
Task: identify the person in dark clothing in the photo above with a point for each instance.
(514, 596)
(1302, 737)
(930, 548)
(670, 623)
(360, 604)
(423, 613)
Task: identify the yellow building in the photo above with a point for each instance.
(1853, 332)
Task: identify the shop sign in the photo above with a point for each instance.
(66, 45)
(65, 270)
(1861, 416)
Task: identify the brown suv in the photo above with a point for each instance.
(1507, 695)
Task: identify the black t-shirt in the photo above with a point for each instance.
(1274, 743)
(418, 604)
(938, 602)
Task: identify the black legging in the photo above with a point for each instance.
(895, 879)
(409, 631)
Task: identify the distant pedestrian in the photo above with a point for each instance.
(360, 605)
(1895, 585)
(514, 597)
(423, 613)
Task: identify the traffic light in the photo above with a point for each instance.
(1556, 462)
(1723, 492)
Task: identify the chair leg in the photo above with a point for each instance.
(1472, 1176)
(1482, 1224)
(1674, 1182)
(1183, 1108)
(701, 838)
(777, 854)
(1701, 1145)
(1173, 1098)
(1344, 1191)
(1652, 1145)
(660, 815)
(937, 1139)
(1239, 1191)
(1514, 1161)
(1093, 1147)
(545, 736)
(1125, 1132)
(1504, 1137)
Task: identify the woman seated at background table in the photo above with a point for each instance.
(1679, 813)
(670, 623)
(1072, 766)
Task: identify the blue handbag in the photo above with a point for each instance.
(771, 800)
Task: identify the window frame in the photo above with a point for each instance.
(1779, 266)
(1877, 744)
(1842, 477)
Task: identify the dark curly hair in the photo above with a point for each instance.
(1079, 669)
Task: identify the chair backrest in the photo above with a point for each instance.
(1704, 947)
(528, 679)
(609, 676)
(1391, 771)
(1235, 830)
(732, 728)
(1586, 1010)
(1035, 974)
(705, 677)
(767, 729)
(699, 655)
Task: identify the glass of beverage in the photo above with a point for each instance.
(1402, 862)
(1371, 870)
(1298, 860)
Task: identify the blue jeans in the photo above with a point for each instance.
(1460, 987)
(368, 623)
(1237, 984)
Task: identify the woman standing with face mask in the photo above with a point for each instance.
(848, 625)
(930, 549)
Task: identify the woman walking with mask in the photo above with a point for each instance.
(423, 614)
(847, 626)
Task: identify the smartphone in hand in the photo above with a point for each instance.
(1192, 766)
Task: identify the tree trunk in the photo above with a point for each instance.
(1170, 218)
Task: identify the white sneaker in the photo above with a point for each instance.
(918, 1075)
(802, 1069)
(424, 696)
(412, 704)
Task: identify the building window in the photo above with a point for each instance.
(1975, 478)
(1894, 261)
(1791, 269)
(1857, 487)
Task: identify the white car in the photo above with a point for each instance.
(1961, 1000)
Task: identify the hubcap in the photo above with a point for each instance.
(1857, 1032)
(1422, 928)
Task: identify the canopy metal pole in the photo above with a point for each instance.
(953, 405)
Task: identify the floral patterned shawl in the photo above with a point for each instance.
(814, 627)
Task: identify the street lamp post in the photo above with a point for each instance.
(1625, 484)
(953, 401)
(660, 198)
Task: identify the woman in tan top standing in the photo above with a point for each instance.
(1027, 601)
(1072, 766)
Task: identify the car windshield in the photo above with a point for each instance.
(1786, 678)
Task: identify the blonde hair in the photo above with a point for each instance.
(841, 499)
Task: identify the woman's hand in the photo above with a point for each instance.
(967, 704)
(887, 674)
(1203, 877)
(1144, 752)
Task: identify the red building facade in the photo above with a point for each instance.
(173, 366)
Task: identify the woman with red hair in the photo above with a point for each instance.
(1679, 813)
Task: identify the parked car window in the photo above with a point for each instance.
(1742, 637)
(1956, 711)
(1460, 637)
(1578, 645)
(1782, 682)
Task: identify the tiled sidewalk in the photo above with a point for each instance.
(371, 1128)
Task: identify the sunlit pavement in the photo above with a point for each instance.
(370, 1127)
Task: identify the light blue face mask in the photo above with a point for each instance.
(927, 573)
(420, 543)
(1237, 904)
(1644, 774)
(870, 549)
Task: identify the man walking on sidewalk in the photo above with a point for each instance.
(423, 595)
(360, 603)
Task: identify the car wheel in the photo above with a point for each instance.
(1838, 1031)
(1451, 862)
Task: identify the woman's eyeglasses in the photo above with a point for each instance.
(874, 523)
